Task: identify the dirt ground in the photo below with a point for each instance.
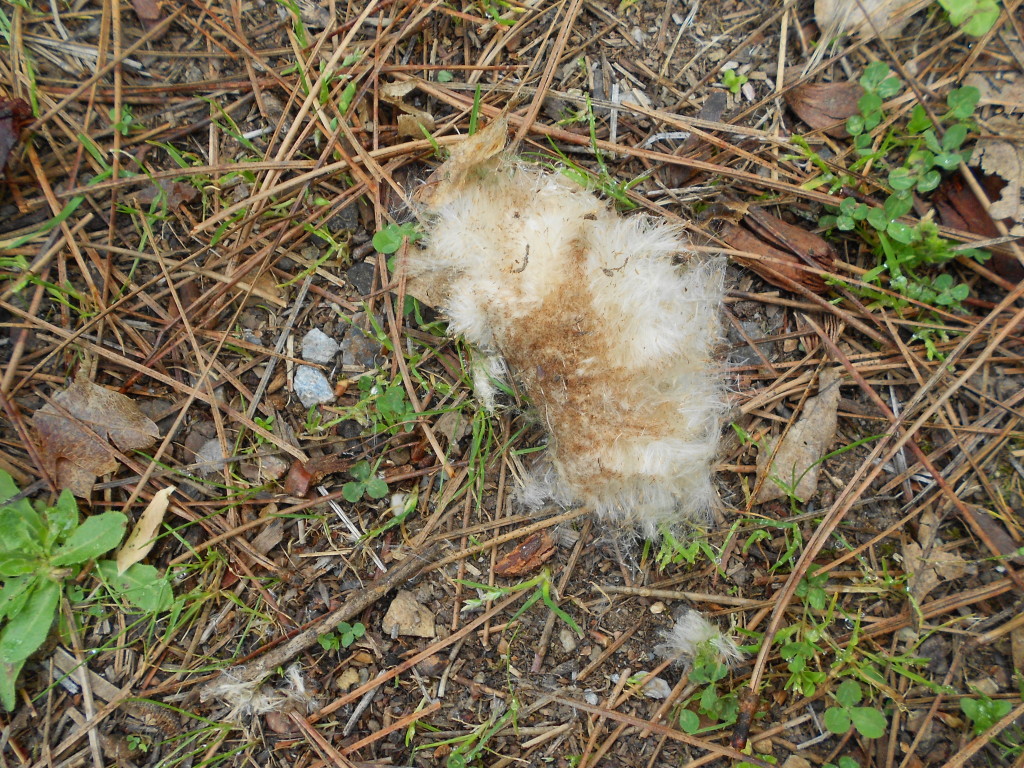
(203, 210)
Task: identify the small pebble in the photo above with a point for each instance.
(318, 347)
(312, 387)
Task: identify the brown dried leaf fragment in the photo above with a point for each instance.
(14, 114)
(927, 563)
(76, 429)
(826, 106)
(804, 251)
(798, 460)
(149, 13)
(143, 536)
(530, 555)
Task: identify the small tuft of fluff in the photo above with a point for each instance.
(589, 312)
(691, 635)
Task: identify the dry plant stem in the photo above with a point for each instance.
(324, 746)
(869, 470)
(567, 572)
(908, 438)
(662, 730)
(521, 533)
(412, 565)
(399, 724)
(412, 661)
(553, 59)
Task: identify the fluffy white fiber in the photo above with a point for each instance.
(590, 313)
(691, 634)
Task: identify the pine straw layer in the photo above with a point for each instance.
(195, 311)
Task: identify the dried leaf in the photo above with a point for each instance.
(14, 114)
(415, 120)
(798, 460)
(143, 536)
(825, 106)
(864, 17)
(173, 193)
(778, 267)
(149, 13)
(75, 429)
(467, 160)
(530, 555)
(926, 562)
(1003, 158)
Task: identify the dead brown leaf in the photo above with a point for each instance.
(149, 14)
(825, 106)
(530, 555)
(173, 193)
(143, 536)
(14, 114)
(798, 460)
(770, 261)
(865, 17)
(414, 120)
(928, 564)
(76, 429)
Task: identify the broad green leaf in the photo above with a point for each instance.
(870, 723)
(142, 585)
(689, 721)
(17, 564)
(62, 518)
(954, 137)
(901, 179)
(352, 492)
(14, 594)
(360, 471)
(848, 693)
(8, 683)
(9, 489)
(98, 534)
(27, 630)
(376, 488)
(900, 232)
(21, 528)
(836, 720)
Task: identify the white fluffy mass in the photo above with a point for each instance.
(589, 312)
(691, 634)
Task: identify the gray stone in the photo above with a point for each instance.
(406, 616)
(312, 387)
(318, 347)
(360, 276)
(210, 458)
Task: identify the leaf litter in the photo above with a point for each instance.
(296, 161)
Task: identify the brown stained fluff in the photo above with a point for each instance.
(612, 341)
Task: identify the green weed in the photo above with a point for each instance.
(541, 584)
(733, 81)
(974, 17)
(42, 550)
(342, 637)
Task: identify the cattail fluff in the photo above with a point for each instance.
(588, 311)
(693, 636)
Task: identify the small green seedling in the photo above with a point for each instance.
(721, 708)
(389, 239)
(733, 81)
(869, 722)
(984, 712)
(342, 637)
(41, 552)
(541, 584)
(365, 481)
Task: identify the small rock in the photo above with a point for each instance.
(656, 688)
(347, 679)
(568, 639)
(591, 698)
(210, 457)
(764, 746)
(405, 616)
(318, 347)
(359, 351)
(360, 277)
(272, 468)
(795, 761)
(312, 387)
